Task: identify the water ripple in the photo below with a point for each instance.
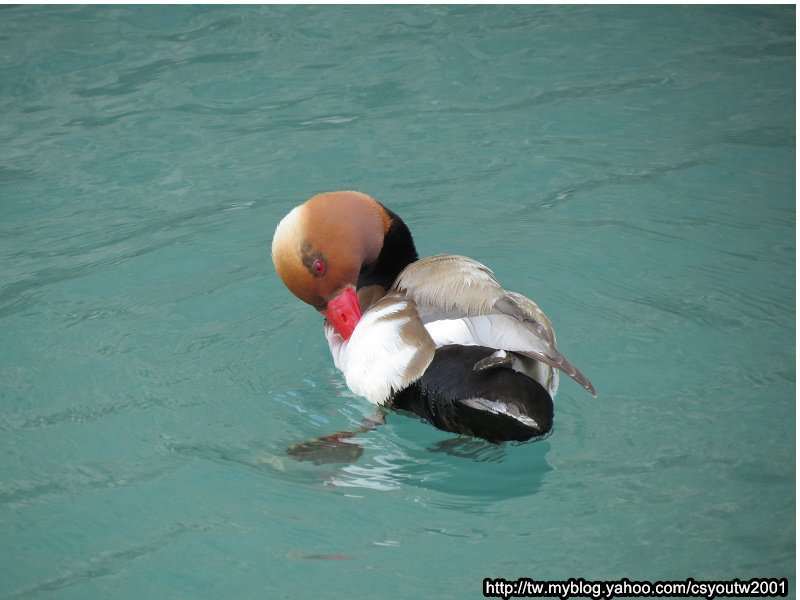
(113, 251)
(72, 480)
(111, 563)
(564, 194)
(212, 28)
(133, 79)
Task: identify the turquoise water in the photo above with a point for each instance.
(632, 169)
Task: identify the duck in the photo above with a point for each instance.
(436, 337)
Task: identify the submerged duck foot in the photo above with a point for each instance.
(337, 447)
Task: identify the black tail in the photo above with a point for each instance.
(496, 404)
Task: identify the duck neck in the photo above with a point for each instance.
(397, 253)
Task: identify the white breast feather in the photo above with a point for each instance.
(386, 351)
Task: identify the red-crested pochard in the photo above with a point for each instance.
(438, 336)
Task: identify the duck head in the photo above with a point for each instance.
(335, 243)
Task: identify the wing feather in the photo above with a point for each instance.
(448, 286)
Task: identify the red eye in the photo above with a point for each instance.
(319, 267)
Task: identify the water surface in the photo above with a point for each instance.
(630, 168)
